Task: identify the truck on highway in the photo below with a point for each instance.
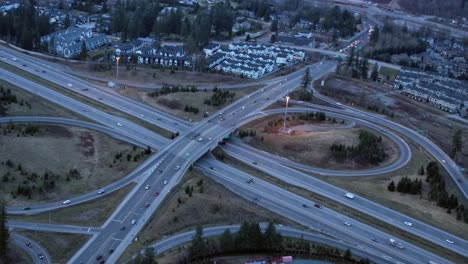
(349, 195)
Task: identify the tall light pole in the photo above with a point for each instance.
(285, 113)
(117, 59)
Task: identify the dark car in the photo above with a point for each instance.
(27, 208)
(111, 251)
(29, 245)
(122, 228)
(318, 206)
(40, 256)
(98, 258)
(305, 206)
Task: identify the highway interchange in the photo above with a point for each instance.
(182, 151)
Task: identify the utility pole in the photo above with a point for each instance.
(285, 113)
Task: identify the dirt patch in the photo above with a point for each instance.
(72, 160)
(312, 146)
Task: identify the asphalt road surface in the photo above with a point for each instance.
(38, 254)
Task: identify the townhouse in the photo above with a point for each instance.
(250, 60)
(165, 56)
(68, 43)
(434, 88)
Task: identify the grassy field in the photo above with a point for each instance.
(54, 152)
(367, 219)
(310, 143)
(92, 213)
(210, 204)
(175, 103)
(86, 100)
(61, 247)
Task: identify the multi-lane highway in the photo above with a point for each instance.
(182, 152)
(305, 212)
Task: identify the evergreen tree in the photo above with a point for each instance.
(67, 22)
(274, 26)
(374, 37)
(198, 248)
(351, 57)
(375, 72)
(273, 38)
(148, 257)
(247, 38)
(4, 232)
(306, 79)
(84, 50)
(227, 241)
(391, 186)
(364, 68)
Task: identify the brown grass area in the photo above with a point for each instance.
(215, 206)
(59, 149)
(312, 148)
(150, 76)
(175, 102)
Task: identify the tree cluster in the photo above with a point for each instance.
(438, 190)
(355, 66)
(370, 150)
(220, 97)
(23, 26)
(4, 234)
(456, 143)
(20, 129)
(248, 239)
(406, 185)
(247, 133)
(167, 89)
(393, 39)
(446, 8)
(318, 116)
(191, 109)
(341, 22)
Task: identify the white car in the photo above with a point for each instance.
(200, 139)
(408, 223)
(347, 224)
(177, 167)
(147, 187)
(243, 107)
(165, 182)
(119, 124)
(101, 191)
(449, 241)
(66, 202)
(210, 138)
(70, 85)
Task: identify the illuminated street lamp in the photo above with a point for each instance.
(117, 59)
(285, 113)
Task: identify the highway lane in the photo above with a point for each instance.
(450, 166)
(125, 127)
(55, 74)
(182, 152)
(38, 253)
(303, 211)
(177, 240)
(57, 228)
(72, 122)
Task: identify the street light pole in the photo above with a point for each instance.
(117, 59)
(285, 113)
